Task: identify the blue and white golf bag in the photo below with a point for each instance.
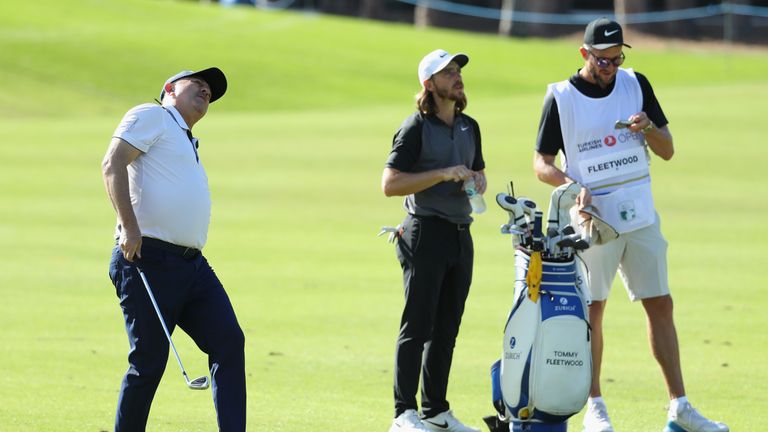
(545, 373)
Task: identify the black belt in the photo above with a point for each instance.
(459, 226)
(182, 251)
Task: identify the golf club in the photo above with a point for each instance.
(538, 244)
(201, 383)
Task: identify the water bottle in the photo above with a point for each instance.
(475, 199)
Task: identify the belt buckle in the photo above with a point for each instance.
(462, 227)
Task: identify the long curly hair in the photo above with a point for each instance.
(425, 102)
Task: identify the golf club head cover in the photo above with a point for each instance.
(594, 229)
(562, 199)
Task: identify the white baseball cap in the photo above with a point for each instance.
(436, 61)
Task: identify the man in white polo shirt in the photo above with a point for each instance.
(610, 161)
(158, 187)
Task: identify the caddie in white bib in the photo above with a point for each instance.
(612, 163)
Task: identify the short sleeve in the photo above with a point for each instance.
(651, 105)
(550, 137)
(406, 144)
(142, 126)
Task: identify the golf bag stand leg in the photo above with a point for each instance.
(538, 427)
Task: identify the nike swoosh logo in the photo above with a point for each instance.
(463, 128)
(607, 33)
(443, 54)
(442, 426)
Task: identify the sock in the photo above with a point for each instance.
(674, 404)
(596, 400)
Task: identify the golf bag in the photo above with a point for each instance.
(545, 373)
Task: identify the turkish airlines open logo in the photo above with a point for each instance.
(610, 140)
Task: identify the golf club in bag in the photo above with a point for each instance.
(201, 383)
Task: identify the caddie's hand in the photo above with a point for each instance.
(456, 173)
(130, 243)
(639, 121)
(480, 182)
(583, 199)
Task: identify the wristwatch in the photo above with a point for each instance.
(649, 128)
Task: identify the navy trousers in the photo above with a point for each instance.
(436, 257)
(191, 296)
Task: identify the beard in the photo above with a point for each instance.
(599, 79)
(449, 93)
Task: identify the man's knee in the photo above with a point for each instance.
(146, 371)
(659, 307)
(230, 342)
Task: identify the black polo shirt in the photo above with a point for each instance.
(550, 138)
(423, 143)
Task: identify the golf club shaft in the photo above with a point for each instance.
(162, 322)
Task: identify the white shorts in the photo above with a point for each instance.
(639, 256)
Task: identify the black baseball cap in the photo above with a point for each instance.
(213, 76)
(603, 33)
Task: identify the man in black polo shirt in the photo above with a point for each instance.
(433, 152)
(610, 161)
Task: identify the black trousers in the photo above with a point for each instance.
(436, 257)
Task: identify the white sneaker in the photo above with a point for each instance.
(596, 418)
(446, 422)
(687, 419)
(408, 421)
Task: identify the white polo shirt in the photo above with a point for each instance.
(168, 186)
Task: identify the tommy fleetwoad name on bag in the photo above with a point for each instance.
(564, 358)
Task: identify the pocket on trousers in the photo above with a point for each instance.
(408, 242)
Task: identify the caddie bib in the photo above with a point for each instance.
(612, 163)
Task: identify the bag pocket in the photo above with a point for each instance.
(562, 365)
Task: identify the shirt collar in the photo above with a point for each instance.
(177, 116)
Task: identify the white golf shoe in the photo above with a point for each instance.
(408, 421)
(596, 418)
(687, 419)
(446, 422)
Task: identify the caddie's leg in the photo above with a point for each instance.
(421, 254)
(662, 337)
(438, 354)
(644, 272)
(596, 312)
(209, 319)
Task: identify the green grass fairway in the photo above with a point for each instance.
(294, 154)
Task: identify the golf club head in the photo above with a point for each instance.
(201, 383)
(511, 229)
(580, 244)
(569, 240)
(568, 230)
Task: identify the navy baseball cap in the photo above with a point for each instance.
(213, 76)
(603, 33)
